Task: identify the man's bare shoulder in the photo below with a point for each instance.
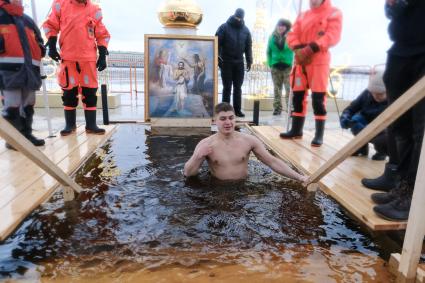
(249, 139)
(208, 139)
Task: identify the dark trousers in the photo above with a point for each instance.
(299, 102)
(233, 74)
(402, 73)
(89, 98)
(379, 142)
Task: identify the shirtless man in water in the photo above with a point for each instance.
(227, 151)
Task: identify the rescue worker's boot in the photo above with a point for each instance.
(91, 127)
(318, 136)
(385, 182)
(70, 122)
(14, 118)
(27, 126)
(296, 131)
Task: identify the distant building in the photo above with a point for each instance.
(126, 59)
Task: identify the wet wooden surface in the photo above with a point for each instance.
(344, 182)
(25, 186)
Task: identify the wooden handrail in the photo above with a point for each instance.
(415, 94)
(18, 141)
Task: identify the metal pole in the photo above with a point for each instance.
(104, 92)
(46, 99)
(256, 112)
(291, 93)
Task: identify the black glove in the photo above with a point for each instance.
(248, 67)
(101, 61)
(53, 52)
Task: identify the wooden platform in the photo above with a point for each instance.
(25, 186)
(343, 183)
(393, 265)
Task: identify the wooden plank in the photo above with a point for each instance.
(12, 136)
(41, 190)
(343, 183)
(16, 184)
(11, 161)
(412, 245)
(415, 94)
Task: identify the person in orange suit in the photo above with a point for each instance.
(21, 50)
(313, 33)
(83, 48)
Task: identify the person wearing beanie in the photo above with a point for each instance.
(405, 66)
(279, 59)
(314, 32)
(21, 50)
(363, 110)
(234, 41)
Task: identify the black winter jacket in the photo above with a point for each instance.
(407, 27)
(234, 39)
(365, 105)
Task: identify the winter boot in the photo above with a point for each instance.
(27, 126)
(240, 114)
(13, 117)
(91, 127)
(379, 156)
(296, 131)
(363, 151)
(70, 122)
(383, 198)
(396, 210)
(386, 182)
(318, 136)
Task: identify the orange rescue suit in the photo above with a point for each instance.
(80, 27)
(321, 25)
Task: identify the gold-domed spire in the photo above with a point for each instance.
(180, 13)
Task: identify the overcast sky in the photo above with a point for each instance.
(364, 39)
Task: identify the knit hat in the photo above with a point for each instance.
(376, 82)
(284, 22)
(239, 13)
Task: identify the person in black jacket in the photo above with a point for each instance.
(363, 110)
(234, 40)
(405, 66)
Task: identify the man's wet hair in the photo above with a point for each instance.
(223, 107)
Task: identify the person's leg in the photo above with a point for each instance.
(28, 101)
(277, 78)
(286, 80)
(380, 144)
(359, 123)
(299, 103)
(401, 74)
(318, 77)
(238, 77)
(89, 84)
(388, 180)
(226, 78)
(70, 103)
(12, 100)
(90, 103)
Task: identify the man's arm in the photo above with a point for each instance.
(274, 163)
(202, 150)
